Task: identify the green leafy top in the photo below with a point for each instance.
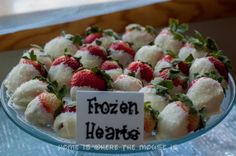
(32, 56)
(162, 86)
(219, 55)
(211, 74)
(185, 99)
(151, 30)
(177, 29)
(131, 74)
(93, 29)
(202, 43)
(202, 114)
(76, 39)
(173, 73)
(110, 32)
(154, 113)
(189, 59)
(104, 75)
(171, 53)
(209, 45)
(98, 42)
(54, 88)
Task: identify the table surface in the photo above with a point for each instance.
(13, 141)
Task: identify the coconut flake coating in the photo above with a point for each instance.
(57, 47)
(114, 73)
(28, 91)
(61, 73)
(173, 121)
(157, 102)
(165, 40)
(149, 54)
(127, 83)
(201, 66)
(65, 125)
(138, 38)
(19, 74)
(206, 93)
(37, 110)
(188, 49)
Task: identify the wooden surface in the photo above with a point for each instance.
(156, 15)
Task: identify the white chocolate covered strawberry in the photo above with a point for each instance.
(157, 101)
(41, 110)
(138, 35)
(208, 64)
(91, 55)
(149, 54)
(59, 45)
(97, 36)
(127, 83)
(62, 69)
(176, 120)
(121, 52)
(41, 56)
(140, 70)
(28, 91)
(112, 68)
(27, 69)
(171, 38)
(65, 123)
(189, 49)
(206, 94)
(86, 79)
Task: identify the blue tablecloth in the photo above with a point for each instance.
(219, 141)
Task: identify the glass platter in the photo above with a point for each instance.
(47, 135)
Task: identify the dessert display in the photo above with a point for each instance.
(183, 78)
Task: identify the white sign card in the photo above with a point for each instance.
(110, 118)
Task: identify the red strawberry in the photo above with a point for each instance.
(220, 67)
(177, 79)
(167, 58)
(35, 64)
(68, 60)
(122, 46)
(87, 78)
(191, 83)
(164, 73)
(146, 72)
(183, 67)
(94, 50)
(69, 108)
(110, 64)
(92, 37)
